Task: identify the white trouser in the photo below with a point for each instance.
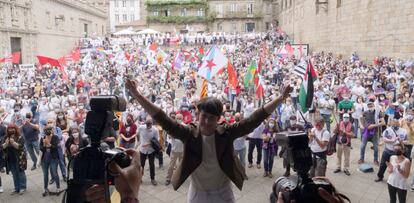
(223, 195)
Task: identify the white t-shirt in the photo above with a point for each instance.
(322, 136)
(208, 175)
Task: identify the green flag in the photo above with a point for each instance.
(250, 74)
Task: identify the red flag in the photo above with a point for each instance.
(232, 75)
(2, 60)
(76, 55)
(260, 91)
(46, 60)
(153, 46)
(16, 57)
(127, 56)
(289, 49)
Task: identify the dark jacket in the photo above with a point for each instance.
(53, 148)
(224, 135)
(19, 154)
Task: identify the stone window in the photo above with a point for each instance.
(200, 12)
(338, 3)
(219, 9)
(233, 8)
(184, 12)
(219, 26)
(155, 13)
(123, 3)
(124, 17)
(117, 17)
(48, 20)
(132, 17)
(250, 8)
(167, 12)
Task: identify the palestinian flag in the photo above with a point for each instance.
(250, 74)
(306, 88)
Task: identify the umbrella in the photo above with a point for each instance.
(125, 32)
(148, 31)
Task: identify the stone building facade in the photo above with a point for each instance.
(369, 27)
(47, 27)
(242, 15)
(209, 15)
(122, 12)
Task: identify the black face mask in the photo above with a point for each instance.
(398, 152)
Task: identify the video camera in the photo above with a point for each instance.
(90, 165)
(300, 188)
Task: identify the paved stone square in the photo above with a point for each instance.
(359, 187)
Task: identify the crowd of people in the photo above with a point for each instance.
(43, 108)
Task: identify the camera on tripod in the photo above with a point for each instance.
(300, 188)
(90, 165)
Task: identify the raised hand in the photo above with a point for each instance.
(132, 87)
(286, 91)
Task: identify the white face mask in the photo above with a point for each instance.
(271, 125)
(75, 135)
(293, 122)
(346, 119)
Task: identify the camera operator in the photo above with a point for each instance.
(330, 198)
(49, 145)
(74, 143)
(318, 141)
(127, 182)
(208, 152)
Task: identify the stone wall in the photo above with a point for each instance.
(47, 27)
(369, 27)
(63, 22)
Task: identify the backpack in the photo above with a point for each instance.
(331, 147)
(155, 144)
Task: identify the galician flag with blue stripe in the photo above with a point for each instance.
(213, 62)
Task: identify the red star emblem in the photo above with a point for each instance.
(210, 63)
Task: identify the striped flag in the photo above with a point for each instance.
(306, 88)
(203, 89)
(300, 69)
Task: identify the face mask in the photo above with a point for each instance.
(398, 152)
(271, 125)
(81, 107)
(75, 135)
(184, 109)
(293, 122)
(227, 118)
(60, 117)
(346, 120)
(395, 128)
